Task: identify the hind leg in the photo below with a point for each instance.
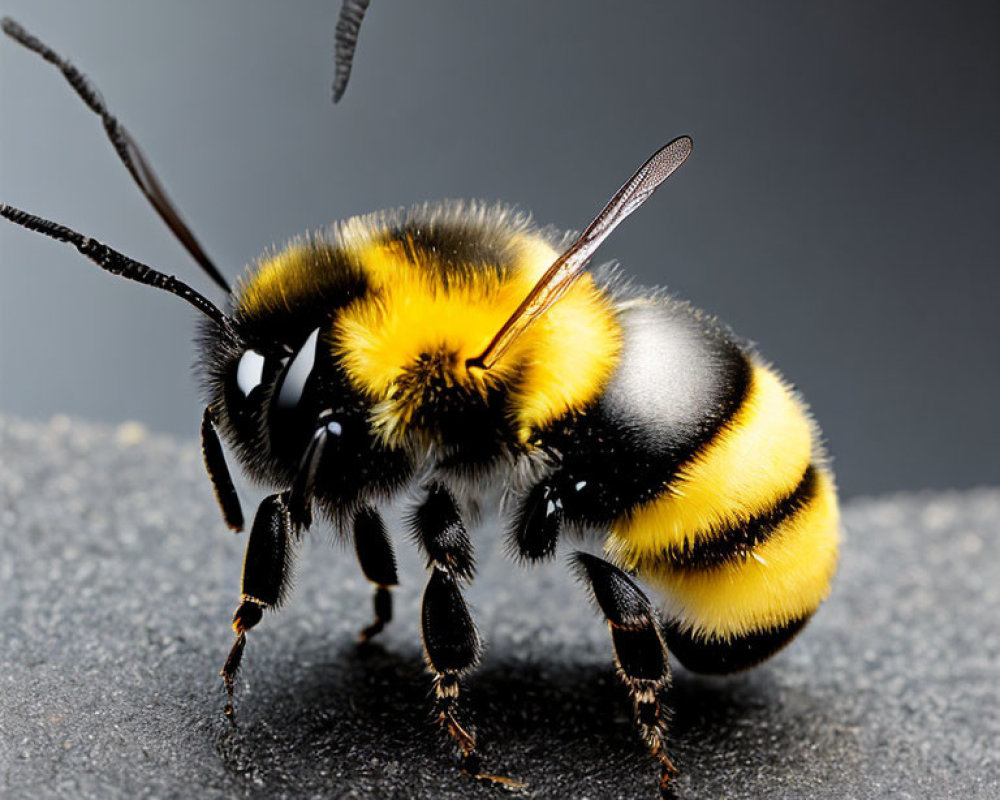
(639, 651)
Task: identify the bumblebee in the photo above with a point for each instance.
(454, 347)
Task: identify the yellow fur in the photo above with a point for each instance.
(280, 281)
(788, 579)
(417, 306)
(565, 358)
(758, 458)
(570, 352)
(269, 284)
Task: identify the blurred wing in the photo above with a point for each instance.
(352, 13)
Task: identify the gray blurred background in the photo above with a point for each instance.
(840, 208)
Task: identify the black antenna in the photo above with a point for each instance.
(114, 262)
(352, 13)
(128, 151)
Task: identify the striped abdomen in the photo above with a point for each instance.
(741, 541)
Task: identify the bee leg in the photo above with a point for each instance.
(438, 527)
(266, 570)
(218, 472)
(451, 641)
(640, 654)
(300, 497)
(538, 523)
(378, 562)
(452, 648)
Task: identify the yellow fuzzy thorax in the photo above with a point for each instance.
(415, 306)
(563, 360)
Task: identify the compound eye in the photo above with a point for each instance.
(296, 400)
(247, 386)
(299, 371)
(250, 372)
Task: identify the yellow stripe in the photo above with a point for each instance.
(755, 460)
(281, 280)
(788, 579)
(410, 313)
(569, 359)
(564, 360)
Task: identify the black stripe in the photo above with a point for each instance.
(722, 656)
(736, 388)
(463, 248)
(627, 457)
(736, 543)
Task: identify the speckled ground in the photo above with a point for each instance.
(118, 579)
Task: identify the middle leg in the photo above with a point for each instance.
(378, 563)
(452, 646)
(451, 642)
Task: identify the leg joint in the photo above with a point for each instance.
(438, 527)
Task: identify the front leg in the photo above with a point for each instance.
(218, 472)
(266, 571)
(267, 564)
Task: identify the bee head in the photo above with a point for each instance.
(271, 398)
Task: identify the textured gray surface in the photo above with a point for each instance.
(117, 580)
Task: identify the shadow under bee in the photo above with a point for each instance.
(356, 717)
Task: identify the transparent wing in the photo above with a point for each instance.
(571, 264)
